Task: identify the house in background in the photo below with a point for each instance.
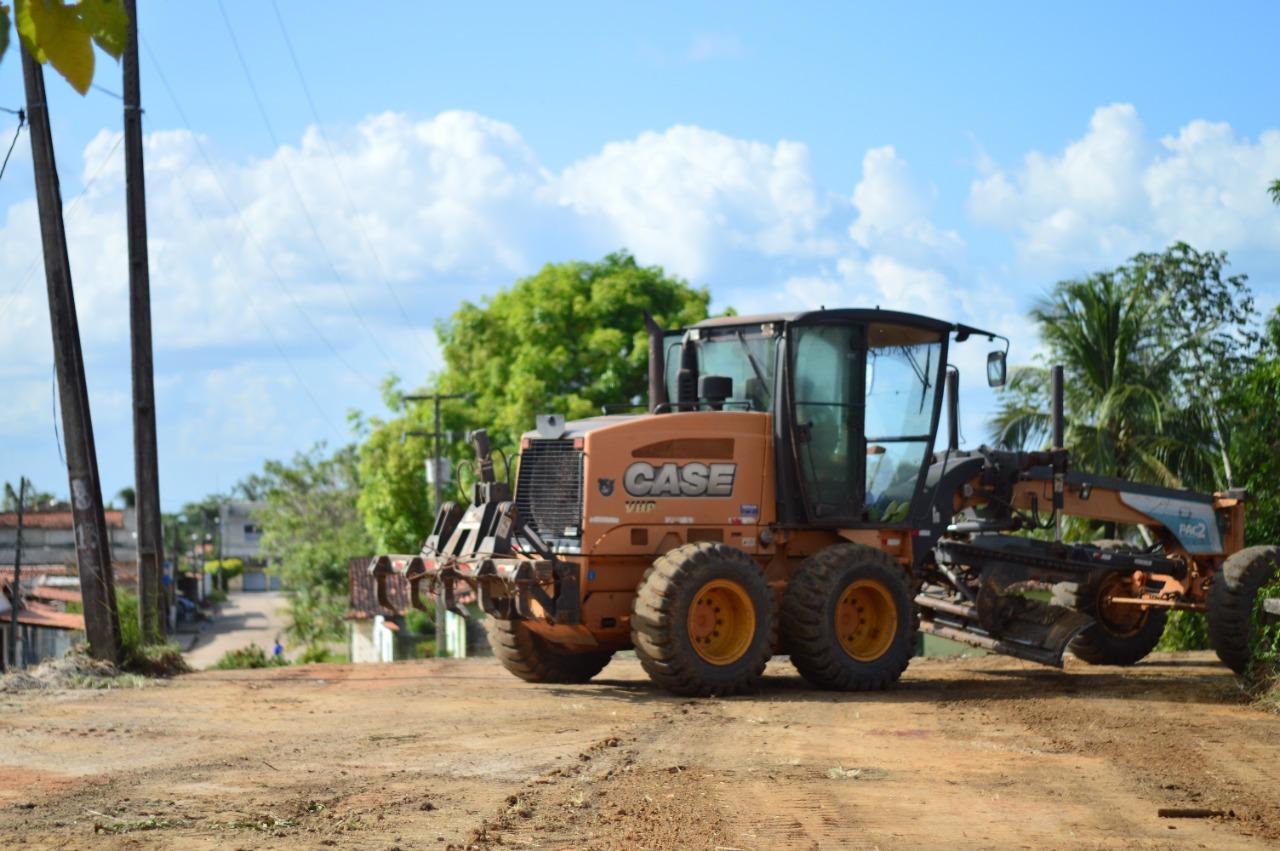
(49, 538)
(46, 630)
(373, 633)
(242, 539)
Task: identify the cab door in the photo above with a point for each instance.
(864, 415)
(828, 392)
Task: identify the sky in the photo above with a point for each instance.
(324, 186)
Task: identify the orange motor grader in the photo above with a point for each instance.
(783, 494)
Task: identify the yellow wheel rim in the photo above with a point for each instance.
(722, 622)
(866, 620)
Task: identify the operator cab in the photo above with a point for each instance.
(855, 396)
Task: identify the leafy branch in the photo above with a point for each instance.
(63, 34)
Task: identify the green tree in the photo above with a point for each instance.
(34, 499)
(1146, 348)
(63, 34)
(1274, 189)
(569, 339)
(1251, 407)
(311, 529)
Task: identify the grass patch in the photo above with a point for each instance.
(136, 657)
(252, 656)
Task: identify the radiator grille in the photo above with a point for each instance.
(549, 489)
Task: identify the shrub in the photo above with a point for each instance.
(1263, 677)
(252, 656)
(152, 660)
(1185, 631)
(231, 567)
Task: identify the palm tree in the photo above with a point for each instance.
(1126, 413)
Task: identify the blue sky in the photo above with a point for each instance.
(936, 157)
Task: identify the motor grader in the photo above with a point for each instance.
(783, 494)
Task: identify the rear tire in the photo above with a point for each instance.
(1109, 641)
(702, 621)
(848, 619)
(1231, 601)
(534, 659)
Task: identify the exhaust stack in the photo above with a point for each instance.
(657, 366)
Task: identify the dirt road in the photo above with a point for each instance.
(970, 753)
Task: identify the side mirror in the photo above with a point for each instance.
(996, 369)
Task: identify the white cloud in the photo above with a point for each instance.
(1114, 192)
(686, 196)
(458, 204)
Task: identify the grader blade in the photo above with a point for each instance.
(1006, 622)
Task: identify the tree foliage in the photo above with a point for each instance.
(63, 34)
(569, 339)
(311, 529)
(33, 500)
(1253, 412)
(1146, 349)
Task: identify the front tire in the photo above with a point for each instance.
(1231, 601)
(848, 619)
(702, 621)
(1121, 635)
(534, 659)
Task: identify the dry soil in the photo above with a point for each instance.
(966, 753)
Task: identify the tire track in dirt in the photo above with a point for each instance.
(622, 792)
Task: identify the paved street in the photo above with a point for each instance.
(246, 618)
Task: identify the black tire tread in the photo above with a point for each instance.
(1231, 600)
(814, 652)
(665, 657)
(534, 659)
(1094, 645)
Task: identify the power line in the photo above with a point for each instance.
(358, 213)
(293, 184)
(107, 91)
(248, 234)
(68, 216)
(22, 119)
(270, 335)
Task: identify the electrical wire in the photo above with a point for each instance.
(297, 192)
(358, 214)
(269, 334)
(68, 216)
(22, 120)
(53, 404)
(248, 233)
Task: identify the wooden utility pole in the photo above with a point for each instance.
(437, 487)
(15, 590)
(93, 547)
(146, 464)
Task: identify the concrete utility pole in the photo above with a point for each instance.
(438, 485)
(93, 547)
(146, 464)
(15, 590)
